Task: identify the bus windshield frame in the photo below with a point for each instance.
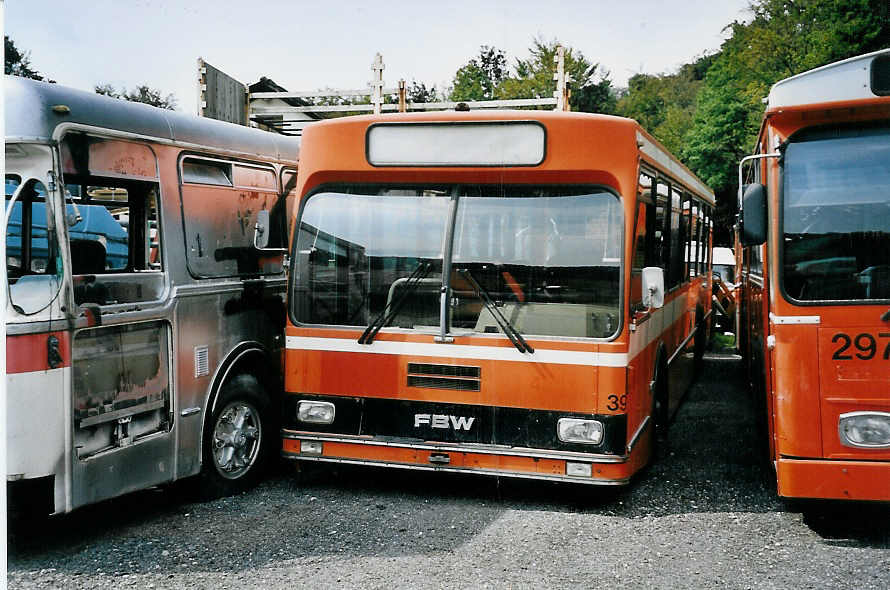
(845, 225)
(525, 245)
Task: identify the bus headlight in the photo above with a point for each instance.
(865, 429)
(315, 412)
(577, 430)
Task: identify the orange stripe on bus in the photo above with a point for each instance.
(28, 353)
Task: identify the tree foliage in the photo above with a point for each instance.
(592, 90)
(488, 77)
(419, 92)
(665, 104)
(143, 94)
(479, 78)
(18, 63)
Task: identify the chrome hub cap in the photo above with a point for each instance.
(236, 439)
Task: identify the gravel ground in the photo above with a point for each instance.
(705, 515)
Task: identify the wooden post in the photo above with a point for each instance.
(403, 99)
(377, 83)
(562, 92)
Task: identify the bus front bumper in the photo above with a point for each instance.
(833, 479)
(480, 459)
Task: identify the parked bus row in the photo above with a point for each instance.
(519, 294)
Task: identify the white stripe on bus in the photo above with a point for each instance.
(461, 351)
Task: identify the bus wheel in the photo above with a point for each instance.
(237, 438)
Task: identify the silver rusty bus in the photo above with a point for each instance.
(144, 327)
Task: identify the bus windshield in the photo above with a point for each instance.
(548, 257)
(836, 215)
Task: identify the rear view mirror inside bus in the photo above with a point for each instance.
(653, 287)
(753, 227)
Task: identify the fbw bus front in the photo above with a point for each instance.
(485, 292)
(815, 310)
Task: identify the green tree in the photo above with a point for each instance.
(479, 78)
(592, 90)
(665, 104)
(18, 63)
(143, 94)
(419, 92)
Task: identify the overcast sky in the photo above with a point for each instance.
(313, 45)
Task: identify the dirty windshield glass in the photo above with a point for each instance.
(547, 257)
(360, 250)
(837, 215)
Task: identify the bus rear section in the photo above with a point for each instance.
(817, 292)
(459, 298)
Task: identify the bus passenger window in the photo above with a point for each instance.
(644, 247)
(677, 242)
(639, 255)
(220, 201)
(111, 199)
(115, 241)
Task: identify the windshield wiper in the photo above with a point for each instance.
(393, 305)
(505, 325)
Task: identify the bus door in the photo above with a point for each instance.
(38, 360)
(121, 388)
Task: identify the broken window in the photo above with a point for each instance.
(114, 228)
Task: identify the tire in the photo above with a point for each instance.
(238, 439)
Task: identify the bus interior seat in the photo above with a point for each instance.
(88, 258)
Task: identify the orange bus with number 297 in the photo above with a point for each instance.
(520, 294)
(815, 304)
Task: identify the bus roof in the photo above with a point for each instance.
(858, 78)
(30, 117)
(347, 130)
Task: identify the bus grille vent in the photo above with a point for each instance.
(454, 377)
(202, 361)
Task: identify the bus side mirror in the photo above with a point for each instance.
(653, 287)
(261, 230)
(753, 217)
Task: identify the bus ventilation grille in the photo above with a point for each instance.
(454, 377)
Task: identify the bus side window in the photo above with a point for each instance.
(220, 201)
(678, 241)
(686, 231)
(646, 244)
(112, 208)
(639, 257)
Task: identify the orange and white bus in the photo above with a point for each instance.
(815, 308)
(506, 293)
